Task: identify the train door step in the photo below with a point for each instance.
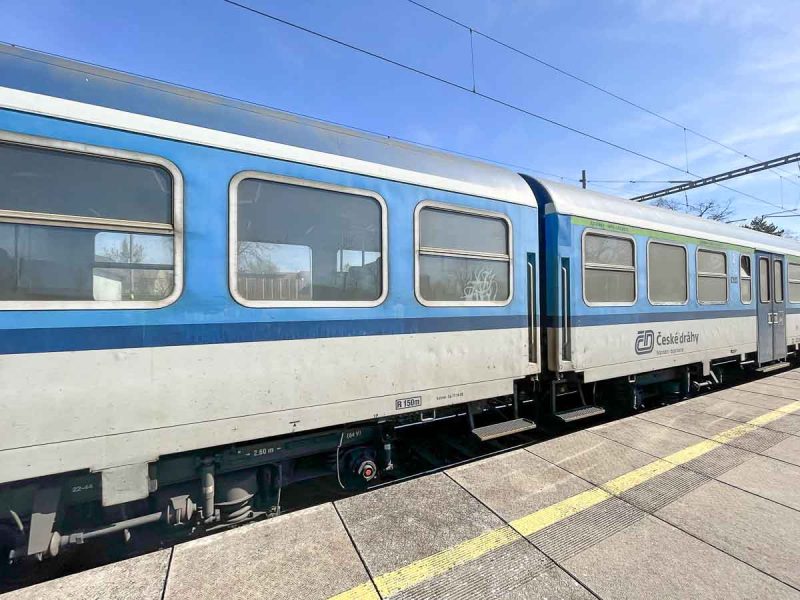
(774, 367)
(497, 430)
(582, 412)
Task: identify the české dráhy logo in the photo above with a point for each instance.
(645, 341)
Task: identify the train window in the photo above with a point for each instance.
(712, 277)
(763, 280)
(463, 256)
(609, 269)
(777, 280)
(303, 243)
(745, 279)
(86, 227)
(667, 273)
(794, 282)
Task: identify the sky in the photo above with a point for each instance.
(728, 69)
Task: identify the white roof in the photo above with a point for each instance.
(44, 84)
(573, 201)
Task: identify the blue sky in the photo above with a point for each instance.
(726, 68)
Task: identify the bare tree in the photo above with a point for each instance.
(707, 209)
(254, 257)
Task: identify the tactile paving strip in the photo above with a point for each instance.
(759, 440)
(491, 576)
(664, 489)
(719, 461)
(583, 530)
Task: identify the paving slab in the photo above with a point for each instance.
(306, 554)
(792, 374)
(697, 423)
(790, 383)
(762, 533)
(753, 397)
(788, 451)
(514, 572)
(516, 484)
(708, 426)
(646, 436)
(399, 524)
(571, 536)
(526, 484)
(767, 388)
(140, 578)
(772, 479)
(590, 456)
(743, 413)
(652, 559)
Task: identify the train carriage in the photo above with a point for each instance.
(643, 295)
(202, 300)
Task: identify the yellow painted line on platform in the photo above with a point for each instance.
(437, 564)
(559, 511)
(629, 480)
(444, 561)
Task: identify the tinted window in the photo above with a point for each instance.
(778, 280)
(462, 231)
(711, 262)
(298, 243)
(763, 280)
(745, 279)
(67, 254)
(453, 262)
(666, 273)
(70, 264)
(712, 277)
(606, 250)
(50, 181)
(609, 269)
(794, 282)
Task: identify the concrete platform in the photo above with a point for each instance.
(700, 499)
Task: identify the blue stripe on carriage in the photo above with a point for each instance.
(28, 341)
(645, 317)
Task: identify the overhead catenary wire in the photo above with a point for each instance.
(452, 84)
(477, 93)
(598, 88)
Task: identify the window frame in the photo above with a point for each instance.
(748, 279)
(598, 267)
(699, 274)
(233, 241)
(652, 241)
(102, 224)
(418, 249)
(790, 281)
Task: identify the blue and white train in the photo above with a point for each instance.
(204, 300)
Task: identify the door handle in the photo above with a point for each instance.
(565, 333)
(533, 313)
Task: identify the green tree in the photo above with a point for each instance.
(764, 226)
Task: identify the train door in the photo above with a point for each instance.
(771, 307)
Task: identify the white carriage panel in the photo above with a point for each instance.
(71, 395)
(105, 451)
(615, 350)
(792, 328)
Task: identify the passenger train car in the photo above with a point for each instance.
(203, 301)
